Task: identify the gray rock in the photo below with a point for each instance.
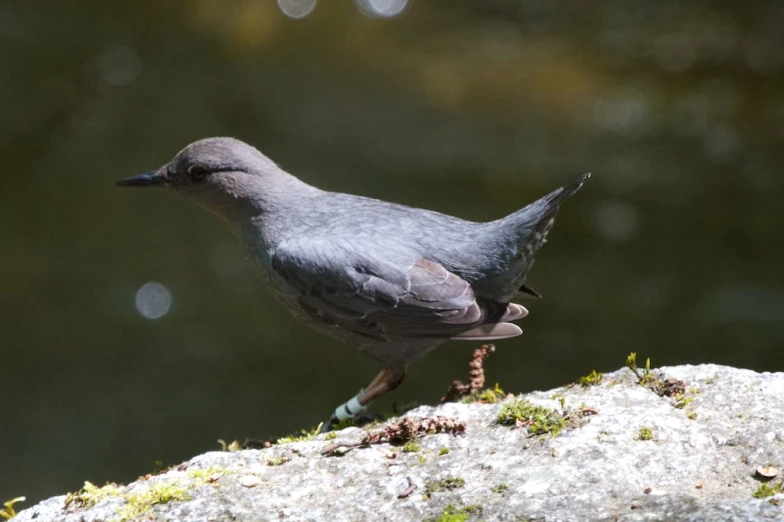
(699, 463)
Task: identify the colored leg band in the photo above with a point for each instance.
(350, 409)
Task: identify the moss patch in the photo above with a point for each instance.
(411, 447)
(277, 461)
(486, 396)
(447, 484)
(136, 503)
(158, 493)
(682, 400)
(91, 495)
(767, 490)
(303, 435)
(145, 495)
(645, 433)
(500, 488)
(537, 419)
(592, 379)
(452, 513)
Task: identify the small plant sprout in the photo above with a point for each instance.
(592, 379)
(767, 490)
(645, 433)
(302, 436)
(645, 377)
(8, 511)
(411, 447)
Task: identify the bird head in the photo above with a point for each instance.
(220, 174)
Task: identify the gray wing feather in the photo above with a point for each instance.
(374, 296)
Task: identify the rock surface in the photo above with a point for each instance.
(688, 452)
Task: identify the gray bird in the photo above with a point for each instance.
(393, 280)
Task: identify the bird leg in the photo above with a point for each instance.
(387, 380)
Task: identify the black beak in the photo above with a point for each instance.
(148, 179)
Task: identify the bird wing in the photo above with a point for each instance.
(376, 297)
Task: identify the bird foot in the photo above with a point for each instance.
(351, 409)
(334, 423)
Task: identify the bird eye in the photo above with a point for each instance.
(197, 173)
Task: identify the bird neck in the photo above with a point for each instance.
(265, 211)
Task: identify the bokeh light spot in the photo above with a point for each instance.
(297, 8)
(153, 300)
(382, 8)
(120, 66)
(616, 221)
(721, 145)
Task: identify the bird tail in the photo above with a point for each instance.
(543, 206)
(537, 216)
(523, 233)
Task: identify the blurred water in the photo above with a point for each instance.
(473, 108)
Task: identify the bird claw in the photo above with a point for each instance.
(326, 427)
(360, 420)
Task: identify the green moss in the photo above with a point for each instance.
(158, 493)
(443, 451)
(592, 379)
(332, 435)
(500, 488)
(91, 495)
(766, 490)
(159, 468)
(681, 400)
(146, 494)
(447, 484)
(411, 447)
(204, 475)
(347, 423)
(455, 514)
(234, 445)
(645, 433)
(538, 419)
(488, 395)
(277, 461)
(691, 415)
(8, 511)
(646, 376)
(303, 435)
(136, 503)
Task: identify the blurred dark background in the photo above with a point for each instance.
(475, 108)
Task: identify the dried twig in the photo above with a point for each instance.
(476, 376)
(410, 489)
(404, 430)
